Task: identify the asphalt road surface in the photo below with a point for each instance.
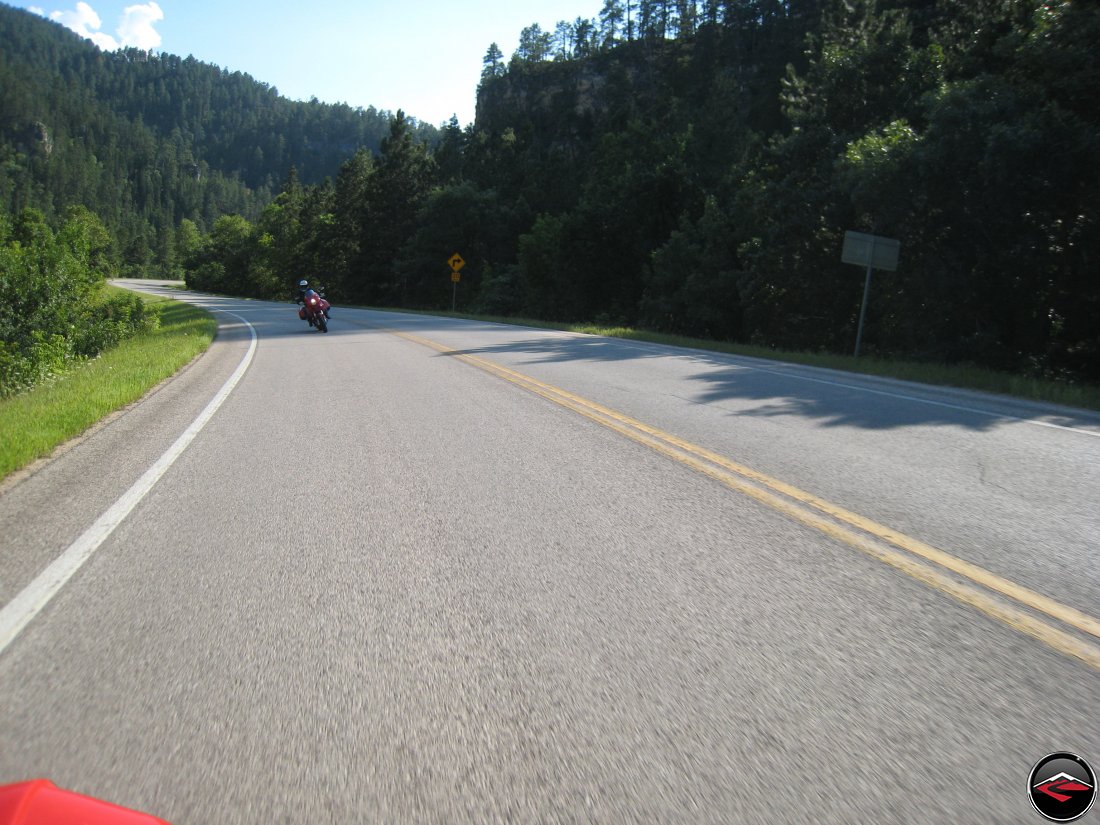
(430, 570)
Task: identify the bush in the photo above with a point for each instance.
(111, 319)
(54, 307)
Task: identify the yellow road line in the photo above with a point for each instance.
(746, 480)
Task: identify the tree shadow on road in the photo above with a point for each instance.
(746, 386)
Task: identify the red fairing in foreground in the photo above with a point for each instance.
(40, 802)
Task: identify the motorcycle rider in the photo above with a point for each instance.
(303, 288)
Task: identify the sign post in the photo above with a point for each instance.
(874, 252)
(456, 263)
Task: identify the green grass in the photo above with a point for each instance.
(952, 375)
(33, 423)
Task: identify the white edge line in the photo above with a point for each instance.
(735, 361)
(738, 361)
(21, 610)
(918, 399)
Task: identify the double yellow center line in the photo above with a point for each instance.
(970, 584)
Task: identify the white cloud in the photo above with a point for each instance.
(36, 10)
(84, 21)
(135, 27)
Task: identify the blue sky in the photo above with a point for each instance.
(423, 56)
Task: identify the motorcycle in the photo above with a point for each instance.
(314, 309)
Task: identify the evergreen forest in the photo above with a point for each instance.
(687, 167)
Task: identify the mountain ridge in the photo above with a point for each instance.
(148, 139)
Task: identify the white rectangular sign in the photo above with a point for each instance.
(862, 249)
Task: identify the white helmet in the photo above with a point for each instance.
(303, 284)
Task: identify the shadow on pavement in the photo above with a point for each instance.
(741, 385)
(755, 387)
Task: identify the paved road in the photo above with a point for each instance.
(429, 570)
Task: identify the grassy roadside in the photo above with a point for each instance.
(33, 423)
(1086, 396)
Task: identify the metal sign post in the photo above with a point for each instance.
(866, 293)
(456, 263)
(874, 252)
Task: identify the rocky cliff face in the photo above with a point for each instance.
(564, 88)
(640, 76)
(34, 139)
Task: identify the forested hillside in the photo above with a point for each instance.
(687, 166)
(147, 141)
(692, 167)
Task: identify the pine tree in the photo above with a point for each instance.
(535, 45)
(395, 192)
(612, 18)
(492, 63)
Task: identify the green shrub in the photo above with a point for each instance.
(114, 317)
(54, 306)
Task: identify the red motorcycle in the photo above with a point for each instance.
(314, 309)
